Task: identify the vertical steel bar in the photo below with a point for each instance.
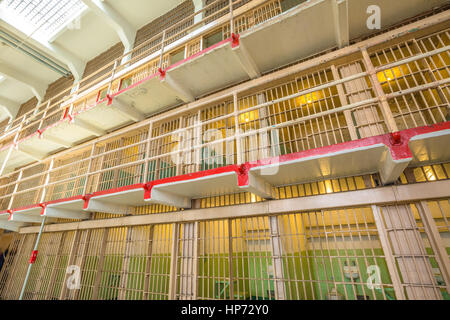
(174, 261)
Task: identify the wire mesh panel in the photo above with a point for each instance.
(157, 272)
(87, 258)
(7, 186)
(427, 105)
(193, 47)
(17, 269)
(118, 162)
(138, 245)
(111, 261)
(9, 262)
(293, 134)
(252, 259)
(59, 267)
(252, 18)
(52, 115)
(71, 171)
(49, 252)
(190, 138)
(430, 173)
(438, 64)
(234, 260)
(162, 142)
(214, 274)
(30, 188)
(218, 124)
(331, 255)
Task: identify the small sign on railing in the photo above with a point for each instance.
(33, 257)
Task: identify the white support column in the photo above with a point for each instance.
(5, 161)
(37, 86)
(125, 31)
(75, 64)
(10, 107)
(341, 22)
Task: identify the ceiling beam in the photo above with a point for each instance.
(75, 64)
(125, 31)
(11, 107)
(341, 22)
(36, 85)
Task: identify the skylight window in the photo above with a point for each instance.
(41, 19)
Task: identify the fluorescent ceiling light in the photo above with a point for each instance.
(41, 19)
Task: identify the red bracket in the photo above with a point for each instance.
(235, 37)
(40, 132)
(86, 199)
(162, 73)
(33, 256)
(242, 173)
(396, 138)
(110, 99)
(148, 190)
(66, 113)
(10, 214)
(71, 118)
(43, 206)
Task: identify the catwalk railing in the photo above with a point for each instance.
(374, 247)
(399, 87)
(224, 17)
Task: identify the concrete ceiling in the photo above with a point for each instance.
(96, 32)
